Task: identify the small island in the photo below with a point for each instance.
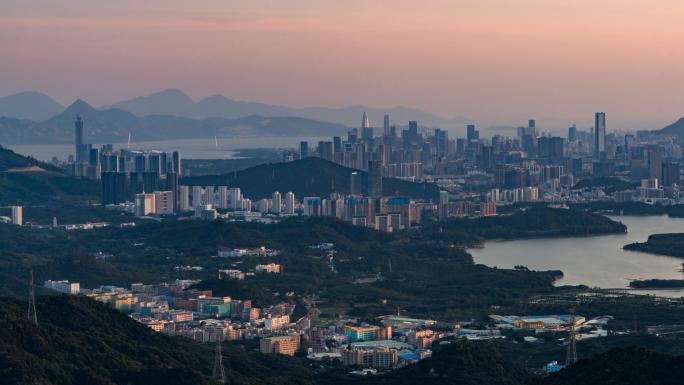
(664, 244)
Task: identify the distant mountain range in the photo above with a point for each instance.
(23, 112)
(173, 101)
(114, 125)
(29, 105)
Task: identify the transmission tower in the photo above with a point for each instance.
(32, 316)
(571, 356)
(219, 373)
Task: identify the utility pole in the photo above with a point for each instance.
(32, 316)
(571, 356)
(219, 373)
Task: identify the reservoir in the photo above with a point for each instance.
(597, 261)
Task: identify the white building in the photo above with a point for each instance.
(289, 203)
(63, 286)
(196, 196)
(17, 215)
(185, 198)
(209, 195)
(222, 197)
(235, 198)
(276, 202)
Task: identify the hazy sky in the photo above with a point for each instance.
(495, 61)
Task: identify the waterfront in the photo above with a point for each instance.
(597, 261)
(221, 148)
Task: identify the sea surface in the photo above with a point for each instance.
(597, 261)
(210, 148)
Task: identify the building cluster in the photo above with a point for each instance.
(477, 174)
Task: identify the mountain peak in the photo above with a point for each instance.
(29, 105)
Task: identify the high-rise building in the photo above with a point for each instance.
(78, 133)
(386, 126)
(374, 182)
(17, 215)
(171, 184)
(176, 162)
(337, 144)
(114, 189)
(572, 133)
(655, 164)
(144, 204)
(365, 123)
(289, 203)
(599, 134)
(325, 150)
(197, 196)
(209, 195)
(276, 202)
(355, 183)
(185, 198)
(235, 197)
(164, 202)
(303, 150)
(223, 197)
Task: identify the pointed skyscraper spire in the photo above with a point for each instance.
(364, 121)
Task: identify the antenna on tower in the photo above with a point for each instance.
(219, 373)
(571, 356)
(32, 316)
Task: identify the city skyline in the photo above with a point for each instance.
(469, 61)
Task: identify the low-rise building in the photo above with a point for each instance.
(287, 345)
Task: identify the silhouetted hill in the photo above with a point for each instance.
(29, 105)
(625, 366)
(676, 128)
(459, 363)
(114, 125)
(80, 341)
(26, 180)
(174, 102)
(306, 177)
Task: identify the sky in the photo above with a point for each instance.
(492, 61)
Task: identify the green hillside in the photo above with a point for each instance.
(306, 177)
(26, 181)
(80, 341)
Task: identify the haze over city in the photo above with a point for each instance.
(493, 61)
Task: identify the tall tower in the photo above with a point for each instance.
(32, 316)
(571, 356)
(386, 126)
(78, 131)
(599, 134)
(219, 373)
(365, 123)
(374, 182)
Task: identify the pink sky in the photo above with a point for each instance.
(495, 61)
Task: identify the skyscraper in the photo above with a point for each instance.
(176, 161)
(275, 202)
(365, 123)
(374, 182)
(599, 134)
(78, 131)
(355, 183)
(572, 133)
(289, 203)
(386, 125)
(303, 150)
